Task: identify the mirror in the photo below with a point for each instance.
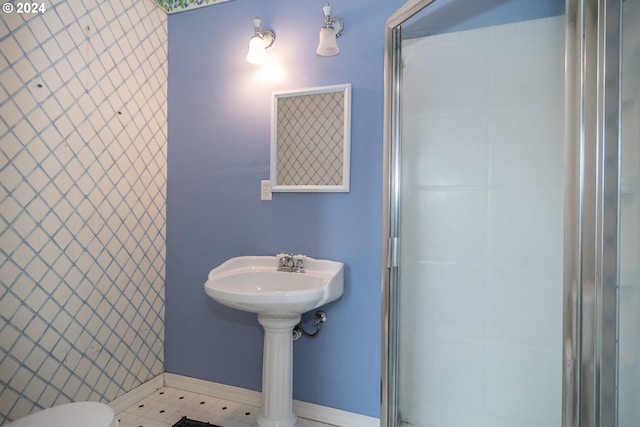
(311, 139)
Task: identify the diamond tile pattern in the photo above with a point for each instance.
(83, 137)
(310, 139)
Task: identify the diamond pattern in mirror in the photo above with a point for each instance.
(82, 202)
(310, 139)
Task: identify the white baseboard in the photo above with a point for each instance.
(137, 394)
(333, 416)
(221, 391)
(323, 414)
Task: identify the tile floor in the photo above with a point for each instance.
(167, 405)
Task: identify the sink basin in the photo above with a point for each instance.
(252, 283)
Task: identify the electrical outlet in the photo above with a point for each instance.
(265, 189)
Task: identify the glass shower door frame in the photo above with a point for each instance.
(390, 215)
(592, 151)
(592, 148)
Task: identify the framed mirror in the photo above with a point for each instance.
(311, 139)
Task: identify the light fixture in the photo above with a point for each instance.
(259, 42)
(330, 31)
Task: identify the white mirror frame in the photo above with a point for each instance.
(320, 140)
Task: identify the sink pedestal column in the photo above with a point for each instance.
(277, 371)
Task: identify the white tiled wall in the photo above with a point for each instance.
(82, 201)
(482, 227)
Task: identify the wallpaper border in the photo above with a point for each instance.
(175, 6)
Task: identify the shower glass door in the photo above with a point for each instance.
(512, 158)
(479, 247)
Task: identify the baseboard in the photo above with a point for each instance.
(323, 414)
(221, 391)
(137, 394)
(333, 416)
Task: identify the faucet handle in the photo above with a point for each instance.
(298, 263)
(286, 262)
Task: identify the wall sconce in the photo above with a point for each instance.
(330, 31)
(259, 42)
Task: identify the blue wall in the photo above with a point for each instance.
(219, 136)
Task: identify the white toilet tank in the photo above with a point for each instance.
(77, 414)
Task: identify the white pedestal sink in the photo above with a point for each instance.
(252, 283)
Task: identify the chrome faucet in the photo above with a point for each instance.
(298, 262)
(291, 263)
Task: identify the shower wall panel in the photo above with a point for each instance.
(82, 201)
(481, 227)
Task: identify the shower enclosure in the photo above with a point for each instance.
(511, 291)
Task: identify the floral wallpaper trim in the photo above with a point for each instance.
(174, 6)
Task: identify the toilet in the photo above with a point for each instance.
(77, 414)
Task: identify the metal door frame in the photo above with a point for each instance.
(592, 123)
(390, 212)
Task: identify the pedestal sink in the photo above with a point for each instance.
(254, 284)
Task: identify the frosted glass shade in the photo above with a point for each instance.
(257, 53)
(327, 45)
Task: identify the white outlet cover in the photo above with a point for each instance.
(265, 189)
